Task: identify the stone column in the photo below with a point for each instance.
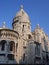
(7, 48)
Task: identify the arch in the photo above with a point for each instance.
(12, 45)
(2, 43)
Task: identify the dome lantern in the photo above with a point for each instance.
(21, 7)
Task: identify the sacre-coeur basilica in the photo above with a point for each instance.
(20, 45)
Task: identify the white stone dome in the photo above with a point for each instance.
(22, 15)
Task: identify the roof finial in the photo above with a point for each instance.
(38, 26)
(21, 6)
(4, 24)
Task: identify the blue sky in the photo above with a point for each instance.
(38, 11)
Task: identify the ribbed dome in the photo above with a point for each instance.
(22, 15)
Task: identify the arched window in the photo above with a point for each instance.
(12, 45)
(23, 28)
(2, 43)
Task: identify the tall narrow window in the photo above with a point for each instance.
(23, 28)
(12, 46)
(16, 46)
(37, 49)
(47, 57)
(23, 56)
(2, 45)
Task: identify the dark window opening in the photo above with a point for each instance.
(47, 58)
(36, 42)
(2, 54)
(37, 60)
(2, 47)
(17, 20)
(12, 47)
(23, 56)
(24, 47)
(29, 36)
(16, 46)
(23, 28)
(2, 43)
(10, 57)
